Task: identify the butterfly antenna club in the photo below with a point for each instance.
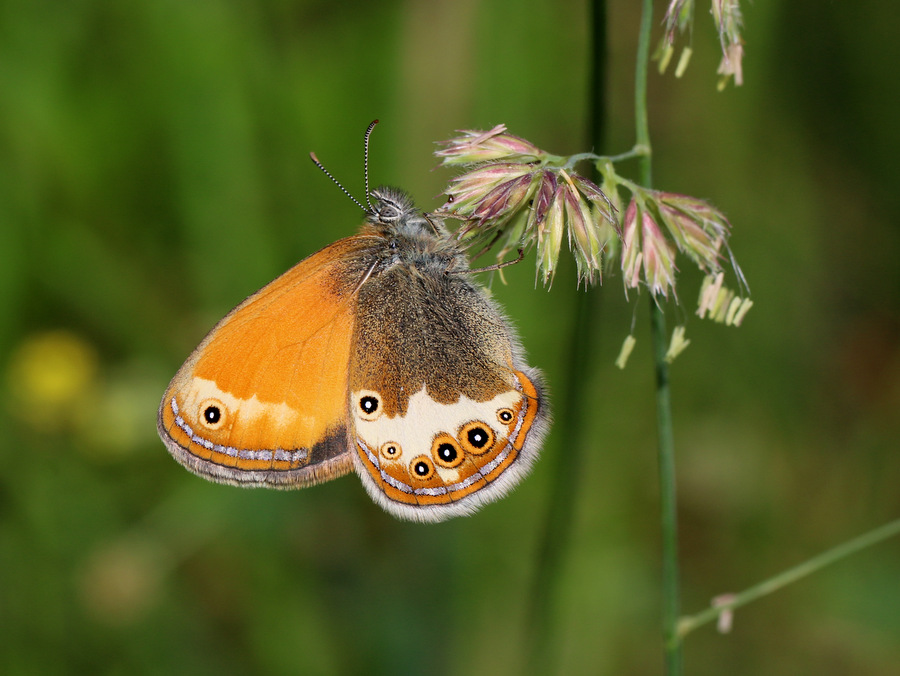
(366, 160)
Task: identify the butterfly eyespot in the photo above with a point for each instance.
(476, 437)
(368, 405)
(390, 450)
(212, 414)
(505, 415)
(422, 468)
(446, 451)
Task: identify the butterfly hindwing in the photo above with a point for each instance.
(445, 415)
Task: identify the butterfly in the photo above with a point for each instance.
(378, 354)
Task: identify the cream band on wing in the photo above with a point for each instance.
(457, 444)
(424, 417)
(222, 418)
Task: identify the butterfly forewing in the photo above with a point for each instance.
(263, 399)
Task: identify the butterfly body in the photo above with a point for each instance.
(377, 354)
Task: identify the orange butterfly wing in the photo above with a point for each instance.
(262, 401)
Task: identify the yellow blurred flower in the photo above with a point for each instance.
(49, 377)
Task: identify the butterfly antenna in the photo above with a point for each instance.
(366, 160)
(338, 183)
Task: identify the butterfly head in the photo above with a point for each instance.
(413, 235)
(390, 206)
(393, 211)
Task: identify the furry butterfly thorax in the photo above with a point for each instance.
(378, 354)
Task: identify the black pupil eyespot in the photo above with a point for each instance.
(391, 450)
(447, 452)
(421, 468)
(368, 404)
(506, 416)
(477, 437)
(212, 414)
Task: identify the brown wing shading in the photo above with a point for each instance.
(263, 399)
(446, 415)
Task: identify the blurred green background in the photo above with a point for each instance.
(154, 171)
